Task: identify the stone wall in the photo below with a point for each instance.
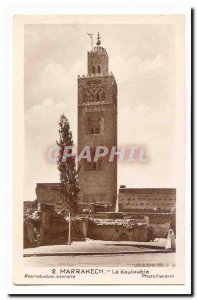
(43, 225)
(102, 215)
(50, 193)
(147, 199)
(159, 230)
(118, 233)
(29, 234)
(161, 218)
(54, 227)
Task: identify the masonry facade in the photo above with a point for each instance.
(50, 193)
(148, 199)
(97, 126)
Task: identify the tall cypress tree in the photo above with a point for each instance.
(67, 169)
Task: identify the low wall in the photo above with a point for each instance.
(159, 230)
(54, 229)
(102, 215)
(43, 225)
(118, 233)
(29, 235)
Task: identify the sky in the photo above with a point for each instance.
(142, 59)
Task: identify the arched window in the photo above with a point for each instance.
(97, 97)
(93, 69)
(102, 96)
(86, 97)
(91, 97)
(98, 69)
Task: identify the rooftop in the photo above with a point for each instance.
(147, 190)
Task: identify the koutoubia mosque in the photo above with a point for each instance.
(97, 125)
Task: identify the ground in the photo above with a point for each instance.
(94, 247)
(100, 253)
(126, 260)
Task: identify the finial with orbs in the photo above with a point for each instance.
(98, 40)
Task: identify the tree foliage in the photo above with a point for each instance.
(67, 166)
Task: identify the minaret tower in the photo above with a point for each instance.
(97, 126)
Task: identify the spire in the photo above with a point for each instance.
(98, 40)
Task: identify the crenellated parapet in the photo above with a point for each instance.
(99, 50)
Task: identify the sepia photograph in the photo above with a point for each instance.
(102, 113)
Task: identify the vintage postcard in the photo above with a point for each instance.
(99, 158)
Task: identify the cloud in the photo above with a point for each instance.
(147, 66)
(41, 132)
(54, 81)
(41, 120)
(143, 64)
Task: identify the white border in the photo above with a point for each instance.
(76, 7)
